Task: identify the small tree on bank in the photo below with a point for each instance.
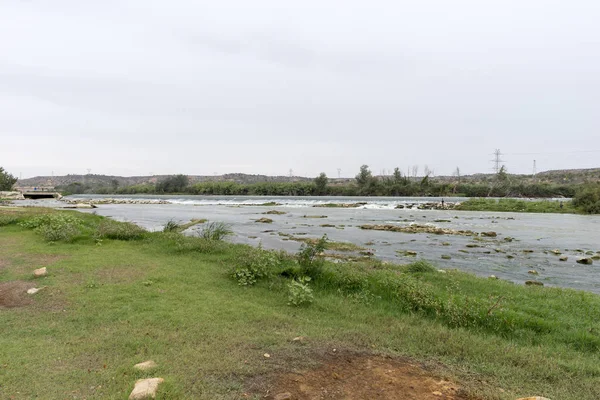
(7, 181)
(321, 183)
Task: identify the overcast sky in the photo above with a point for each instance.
(133, 87)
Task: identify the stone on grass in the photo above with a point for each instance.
(492, 277)
(33, 290)
(146, 365)
(145, 388)
(40, 272)
(534, 398)
(266, 355)
(283, 396)
(298, 339)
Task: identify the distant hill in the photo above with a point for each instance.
(567, 176)
(110, 180)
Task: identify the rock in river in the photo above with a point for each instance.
(585, 261)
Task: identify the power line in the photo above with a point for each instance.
(497, 160)
(553, 152)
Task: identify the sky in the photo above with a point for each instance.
(139, 87)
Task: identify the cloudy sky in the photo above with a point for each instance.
(132, 87)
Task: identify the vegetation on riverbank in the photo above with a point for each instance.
(585, 201)
(364, 184)
(514, 205)
(207, 312)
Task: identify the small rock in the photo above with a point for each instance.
(146, 365)
(40, 272)
(596, 257)
(556, 251)
(298, 339)
(446, 244)
(534, 283)
(589, 253)
(283, 396)
(446, 257)
(563, 258)
(442, 271)
(489, 234)
(532, 272)
(585, 261)
(492, 277)
(33, 290)
(145, 388)
(527, 251)
(437, 393)
(266, 355)
(534, 398)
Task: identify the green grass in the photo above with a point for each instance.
(513, 205)
(111, 304)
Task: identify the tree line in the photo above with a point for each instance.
(364, 184)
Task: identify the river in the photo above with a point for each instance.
(535, 236)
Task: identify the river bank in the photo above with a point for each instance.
(178, 301)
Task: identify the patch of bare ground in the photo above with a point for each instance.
(14, 294)
(357, 376)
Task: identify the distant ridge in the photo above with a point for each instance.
(565, 176)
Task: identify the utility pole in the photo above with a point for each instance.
(497, 160)
(339, 173)
(534, 169)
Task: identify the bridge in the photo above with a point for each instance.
(39, 192)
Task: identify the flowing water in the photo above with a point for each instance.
(535, 236)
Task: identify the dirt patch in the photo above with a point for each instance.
(14, 294)
(354, 377)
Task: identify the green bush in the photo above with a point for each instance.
(420, 266)
(109, 229)
(58, 233)
(55, 227)
(588, 199)
(255, 264)
(9, 220)
(299, 293)
(310, 264)
(216, 231)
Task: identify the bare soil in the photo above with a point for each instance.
(14, 294)
(354, 377)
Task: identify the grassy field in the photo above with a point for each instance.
(513, 205)
(207, 311)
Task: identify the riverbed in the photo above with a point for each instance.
(524, 242)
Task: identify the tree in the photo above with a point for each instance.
(7, 181)
(321, 183)
(364, 177)
(173, 184)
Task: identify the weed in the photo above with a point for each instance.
(255, 264)
(308, 259)
(299, 293)
(216, 231)
(171, 226)
(108, 229)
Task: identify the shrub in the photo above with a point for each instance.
(588, 199)
(299, 293)
(55, 227)
(308, 259)
(216, 231)
(8, 220)
(109, 229)
(420, 266)
(58, 233)
(255, 264)
(179, 243)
